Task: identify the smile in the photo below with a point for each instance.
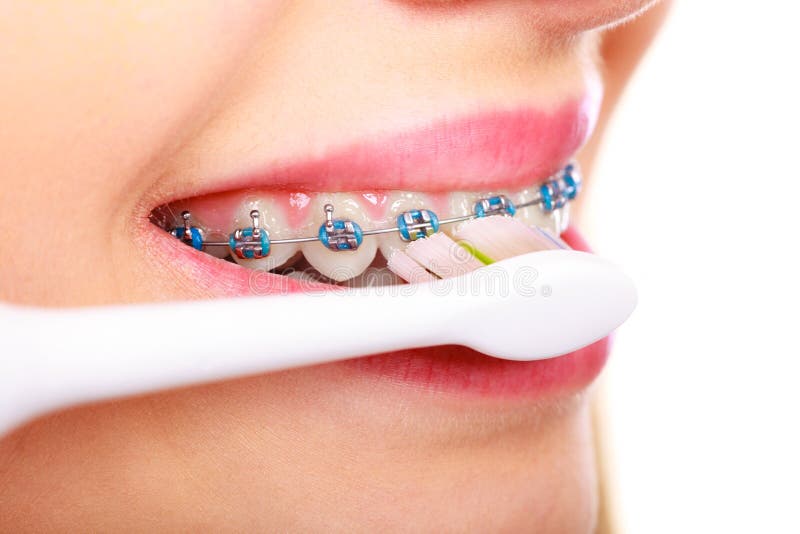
(253, 246)
(372, 207)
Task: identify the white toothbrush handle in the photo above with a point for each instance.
(58, 358)
(55, 358)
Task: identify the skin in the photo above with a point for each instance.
(109, 103)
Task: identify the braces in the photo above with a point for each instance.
(344, 234)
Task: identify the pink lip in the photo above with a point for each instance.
(497, 150)
(490, 150)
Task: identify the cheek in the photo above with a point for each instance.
(101, 91)
(92, 78)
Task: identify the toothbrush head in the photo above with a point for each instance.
(554, 308)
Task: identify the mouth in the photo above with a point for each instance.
(347, 217)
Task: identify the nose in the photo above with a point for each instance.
(563, 16)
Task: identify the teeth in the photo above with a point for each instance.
(459, 204)
(217, 252)
(346, 264)
(209, 233)
(555, 222)
(398, 203)
(274, 219)
(375, 275)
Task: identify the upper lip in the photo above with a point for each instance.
(487, 151)
(503, 149)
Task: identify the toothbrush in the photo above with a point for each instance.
(529, 307)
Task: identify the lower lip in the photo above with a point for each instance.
(455, 369)
(449, 369)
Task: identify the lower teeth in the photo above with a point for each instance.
(377, 274)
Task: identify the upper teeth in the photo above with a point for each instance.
(349, 262)
(339, 236)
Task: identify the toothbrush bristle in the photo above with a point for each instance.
(555, 242)
(501, 237)
(474, 244)
(442, 256)
(409, 270)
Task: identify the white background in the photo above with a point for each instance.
(696, 194)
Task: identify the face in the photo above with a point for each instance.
(116, 117)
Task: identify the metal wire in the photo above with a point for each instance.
(450, 220)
